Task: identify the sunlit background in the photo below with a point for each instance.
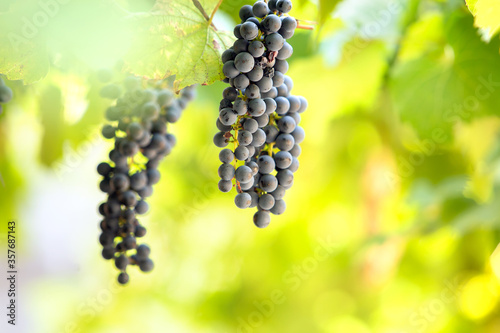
(391, 225)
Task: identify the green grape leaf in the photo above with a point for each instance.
(23, 55)
(438, 90)
(175, 39)
(486, 14)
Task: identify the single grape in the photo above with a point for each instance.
(265, 84)
(249, 30)
(121, 262)
(266, 164)
(283, 159)
(285, 142)
(284, 6)
(241, 82)
(226, 172)
(252, 91)
(259, 138)
(229, 54)
(279, 207)
(278, 79)
(268, 183)
(225, 185)
(104, 169)
(244, 62)
(272, 23)
(281, 66)
(261, 219)
(243, 174)
(250, 125)
(237, 32)
(263, 120)
(108, 252)
(285, 178)
(266, 202)
(120, 182)
(230, 70)
(294, 104)
(256, 49)
(270, 105)
(226, 156)
(274, 42)
(243, 200)
(241, 153)
(285, 52)
(123, 278)
(246, 12)
(230, 94)
(143, 251)
(220, 140)
(299, 135)
(146, 265)
(282, 105)
(241, 45)
(153, 176)
(256, 74)
(240, 107)
(256, 107)
(287, 125)
(245, 138)
(142, 207)
(260, 9)
(227, 117)
(288, 23)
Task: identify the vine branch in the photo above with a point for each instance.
(214, 11)
(198, 5)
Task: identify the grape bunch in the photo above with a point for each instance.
(258, 114)
(5, 94)
(138, 126)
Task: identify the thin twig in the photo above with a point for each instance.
(305, 27)
(214, 11)
(306, 21)
(198, 5)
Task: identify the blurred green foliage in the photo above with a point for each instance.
(392, 220)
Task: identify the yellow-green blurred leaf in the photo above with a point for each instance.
(52, 117)
(486, 13)
(433, 93)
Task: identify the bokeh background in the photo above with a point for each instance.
(391, 226)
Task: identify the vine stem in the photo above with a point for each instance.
(305, 27)
(198, 5)
(214, 11)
